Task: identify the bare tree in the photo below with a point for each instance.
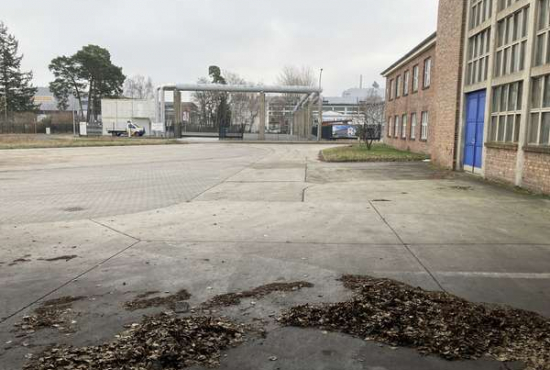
(139, 87)
(372, 108)
(245, 107)
(296, 76)
(206, 102)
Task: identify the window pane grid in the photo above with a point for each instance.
(506, 113)
(478, 57)
(539, 125)
(542, 43)
(511, 43)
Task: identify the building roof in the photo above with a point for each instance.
(354, 96)
(47, 101)
(427, 43)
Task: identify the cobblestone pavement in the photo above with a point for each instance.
(79, 183)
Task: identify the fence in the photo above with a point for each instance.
(36, 123)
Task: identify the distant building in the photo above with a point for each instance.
(48, 102)
(351, 100)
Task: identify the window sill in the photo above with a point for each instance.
(424, 140)
(504, 146)
(545, 149)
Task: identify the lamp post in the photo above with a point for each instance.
(320, 108)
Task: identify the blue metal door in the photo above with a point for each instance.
(475, 118)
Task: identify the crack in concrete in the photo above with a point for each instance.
(406, 246)
(4, 319)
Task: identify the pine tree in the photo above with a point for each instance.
(16, 90)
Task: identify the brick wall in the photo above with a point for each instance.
(448, 80)
(414, 102)
(536, 172)
(500, 164)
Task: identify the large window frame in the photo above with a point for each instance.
(404, 123)
(512, 35)
(542, 40)
(480, 11)
(539, 119)
(506, 110)
(479, 48)
(390, 125)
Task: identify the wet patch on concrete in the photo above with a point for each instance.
(18, 261)
(142, 301)
(74, 209)
(60, 258)
(233, 299)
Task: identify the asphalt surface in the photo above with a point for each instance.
(218, 218)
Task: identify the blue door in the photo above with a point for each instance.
(475, 117)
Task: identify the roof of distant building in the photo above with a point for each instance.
(48, 102)
(424, 45)
(354, 96)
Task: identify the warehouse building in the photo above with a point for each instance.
(488, 99)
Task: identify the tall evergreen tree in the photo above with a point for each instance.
(87, 74)
(16, 90)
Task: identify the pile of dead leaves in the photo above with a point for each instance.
(55, 313)
(233, 299)
(432, 322)
(160, 342)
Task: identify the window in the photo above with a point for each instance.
(396, 130)
(406, 79)
(506, 113)
(413, 126)
(404, 126)
(389, 127)
(391, 90)
(503, 4)
(539, 125)
(542, 49)
(398, 87)
(415, 79)
(424, 126)
(477, 66)
(427, 73)
(511, 43)
(480, 11)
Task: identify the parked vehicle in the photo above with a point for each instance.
(129, 129)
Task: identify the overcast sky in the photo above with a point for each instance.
(176, 40)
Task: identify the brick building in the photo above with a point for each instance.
(489, 98)
(410, 98)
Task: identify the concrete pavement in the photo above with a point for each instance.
(216, 218)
